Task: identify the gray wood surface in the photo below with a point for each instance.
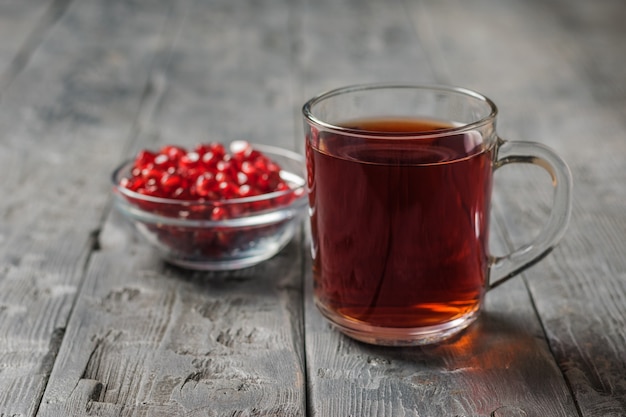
(348, 378)
(23, 25)
(154, 340)
(93, 323)
(52, 117)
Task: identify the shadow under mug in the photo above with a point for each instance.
(399, 185)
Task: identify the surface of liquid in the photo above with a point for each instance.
(399, 225)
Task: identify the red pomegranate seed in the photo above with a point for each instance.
(268, 181)
(224, 166)
(272, 167)
(133, 184)
(245, 191)
(173, 152)
(274, 180)
(206, 184)
(248, 168)
(241, 178)
(221, 176)
(218, 213)
(218, 149)
(151, 174)
(254, 154)
(171, 182)
(228, 189)
(144, 157)
(210, 159)
(164, 163)
(151, 190)
(208, 173)
(201, 177)
(202, 148)
(189, 160)
(182, 193)
(240, 149)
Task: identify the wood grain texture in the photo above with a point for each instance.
(93, 323)
(576, 82)
(147, 339)
(163, 342)
(500, 366)
(63, 119)
(352, 42)
(227, 75)
(492, 369)
(22, 27)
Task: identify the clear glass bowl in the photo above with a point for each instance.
(184, 234)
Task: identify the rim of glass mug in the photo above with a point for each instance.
(489, 117)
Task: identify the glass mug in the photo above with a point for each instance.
(399, 185)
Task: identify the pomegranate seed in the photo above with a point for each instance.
(171, 182)
(260, 205)
(240, 149)
(133, 184)
(254, 154)
(263, 182)
(207, 173)
(144, 158)
(274, 180)
(210, 159)
(248, 191)
(248, 168)
(182, 193)
(272, 167)
(202, 148)
(164, 163)
(205, 184)
(161, 159)
(228, 189)
(224, 166)
(221, 177)
(217, 149)
(151, 174)
(173, 152)
(151, 190)
(228, 168)
(218, 213)
(189, 160)
(241, 178)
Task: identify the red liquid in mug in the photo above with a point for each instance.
(399, 226)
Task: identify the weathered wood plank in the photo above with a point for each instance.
(352, 42)
(147, 339)
(496, 366)
(159, 341)
(22, 27)
(500, 366)
(570, 94)
(63, 120)
(584, 302)
(229, 76)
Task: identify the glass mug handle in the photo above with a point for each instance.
(502, 268)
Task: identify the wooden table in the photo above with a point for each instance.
(93, 323)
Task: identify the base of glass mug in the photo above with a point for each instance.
(398, 336)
